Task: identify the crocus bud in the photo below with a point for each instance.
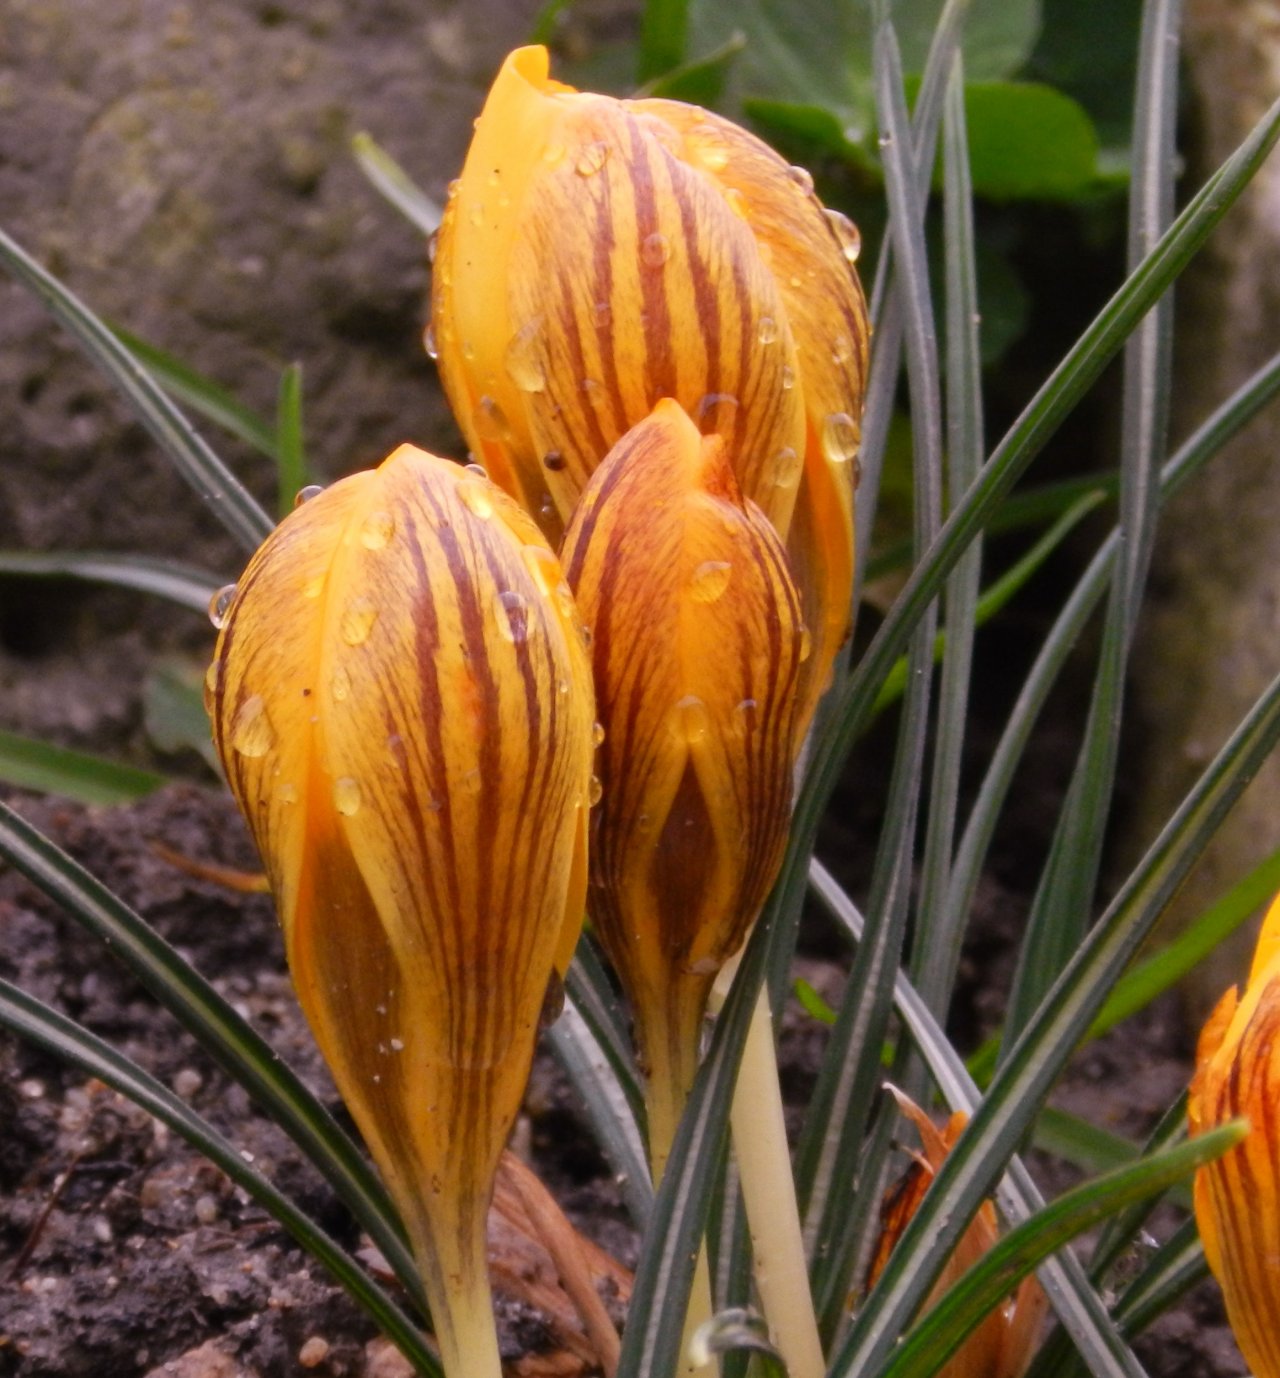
(697, 646)
(402, 702)
(597, 255)
(1003, 1343)
(1237, 1196)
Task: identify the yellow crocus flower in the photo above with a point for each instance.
(402, 701)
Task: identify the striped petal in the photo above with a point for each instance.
(697, 646)
(402, 703)
(1237, 1197)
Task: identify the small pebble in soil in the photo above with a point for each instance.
(314, 1352)
(187, 1082)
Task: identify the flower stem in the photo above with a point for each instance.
(453, 1258)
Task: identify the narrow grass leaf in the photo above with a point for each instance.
(228, 499)
(182, 584)
(205, 397)
(1041, 1051)
(1063, 903)
(216, 1027)
(988, 1283)
(394, 184)
(28, 763)
(664, 34)
(32, 1020)
(173, 710)
(595, 996)
(291, 458)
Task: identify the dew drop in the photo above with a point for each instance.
(553, 154)
(471, 781)
(736, 202)
(784, 468)
(433, 239)
(251, 732)
(708, 147)
(476, 497)
(554, 461)
(429, 342)
(716, 411)
(840, 437)
(287, 793)
(212, 683)
(220, 605)
(597, 733)
(490, 420)
(847, 235)
(523, 359)
(476, 215)
(803, 178)
(477, 470)
(313, 587)
(468, 351)
(377, 529)
(346, 795)
(357, 621)
(592, 158)
(690, 719)
(655, 250)
(788, 378)
(546, 508)
(595, 791)
(710, 580)
(312, 490)
(340, 684)
(513, 617)
(767, 331)
(745, 716)
(841, 349)
(543, 567)
(593, 390)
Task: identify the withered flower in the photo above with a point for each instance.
(598, 255)
(402, 702)
(1237, 1196)
(697, 649)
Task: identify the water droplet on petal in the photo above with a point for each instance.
(708, 147)
(523, 358)
(736, 202)
(710, 580)
(513, 616)
(251, 732)
(478, 470)
(346, 795)
(287, 793)
(716, 411)
(471, 781)
(429, 342)
(847, 235)
(803, 178)
(340, 684)
(476, 215)
(212, 683)
(690, 719)
(553, 154)
(655, 250)
(476, 497)
(841, 349)
(357, 621)
(745, 716)
(544, 568)
(784, 468)
(597, 733)
(788, 378)
(377, 529)
(592, 158)
(220, 605)
(312, 490)
(313, 587)
(490, 420)
(433, 239)
(767, 331)
(841, 437)
(595, 791)
(593, 390)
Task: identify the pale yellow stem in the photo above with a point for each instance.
(453, 1259)
(669, 1041)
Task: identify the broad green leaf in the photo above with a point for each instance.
(182, 584)
(987, 1284)
(664, 34)
(395, 184)
(1028, 142)
(174, 713)
(31, 1019)
(201, 394)
(31, 764)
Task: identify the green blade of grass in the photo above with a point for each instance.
(28, 763)
(217, 1028)
(1039, 1054)
(291, 459)
(988, 1283)
(395, 184)
(36, 1022)
(182, 584)
(205, 397)
(664, 35)
(832, 1148)
(227, 498)
(1063, 903)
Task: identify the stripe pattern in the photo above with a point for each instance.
(402, 702)
(598, 255)
(1237, 1197)
(697, 648)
